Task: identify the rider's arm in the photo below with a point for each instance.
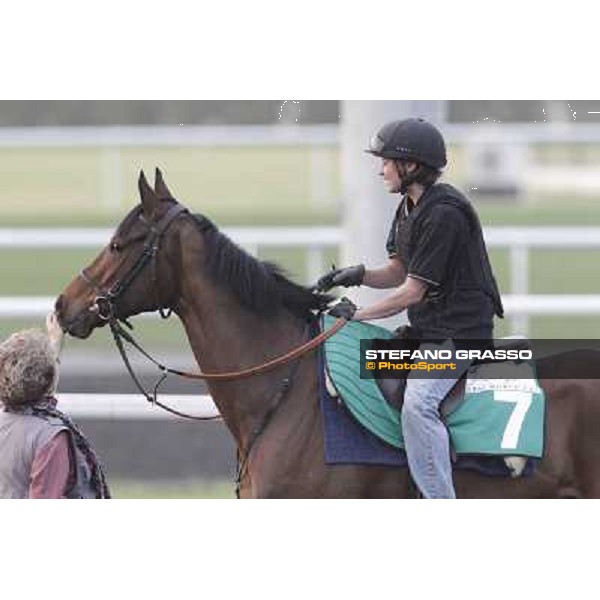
(389, 275)
(409, 293)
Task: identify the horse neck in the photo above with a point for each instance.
(226, 337)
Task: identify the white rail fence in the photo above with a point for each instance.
(316, 241)
(277, 135)
(134, 406)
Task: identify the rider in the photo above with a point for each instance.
(439, 269)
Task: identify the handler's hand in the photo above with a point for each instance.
(344, 309)
(55, 332)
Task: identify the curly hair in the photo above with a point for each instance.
(27, 368)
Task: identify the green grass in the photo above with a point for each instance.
(541, 211)
(40, 273)
(70, 186)
(176, 490)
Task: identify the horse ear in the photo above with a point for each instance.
(160, 187)
(147, 196)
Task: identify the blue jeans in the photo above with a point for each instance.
(425, 436)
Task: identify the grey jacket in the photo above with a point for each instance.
(21, 437)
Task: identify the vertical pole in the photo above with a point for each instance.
(315, 263)
(519, 282)
(320, 173)
(111, 179)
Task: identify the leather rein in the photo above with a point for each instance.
(105, 303)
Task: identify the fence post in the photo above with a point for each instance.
(111, 178)
(320, 177)
(519, 282)
(315, 263)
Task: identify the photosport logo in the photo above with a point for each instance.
(409, 360)
(503, 358)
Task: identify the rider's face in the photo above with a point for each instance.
(391, 178)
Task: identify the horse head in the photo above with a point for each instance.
(133, 273)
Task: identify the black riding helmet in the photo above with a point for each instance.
(410, 139)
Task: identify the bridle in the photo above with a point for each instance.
(105, 303)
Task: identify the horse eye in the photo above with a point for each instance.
(115, 247)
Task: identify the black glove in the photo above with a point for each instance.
(346, 277)
(344, 309)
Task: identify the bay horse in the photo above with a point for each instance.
(239, 312)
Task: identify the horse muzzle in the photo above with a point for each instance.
(81, 324)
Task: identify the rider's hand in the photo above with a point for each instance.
(344, 309)
(55, 332)
(347, 277)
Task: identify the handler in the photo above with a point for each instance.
(439, 268)
(42, 453)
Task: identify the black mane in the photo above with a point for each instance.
(260, 286)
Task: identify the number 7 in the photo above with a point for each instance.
(522, 402)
